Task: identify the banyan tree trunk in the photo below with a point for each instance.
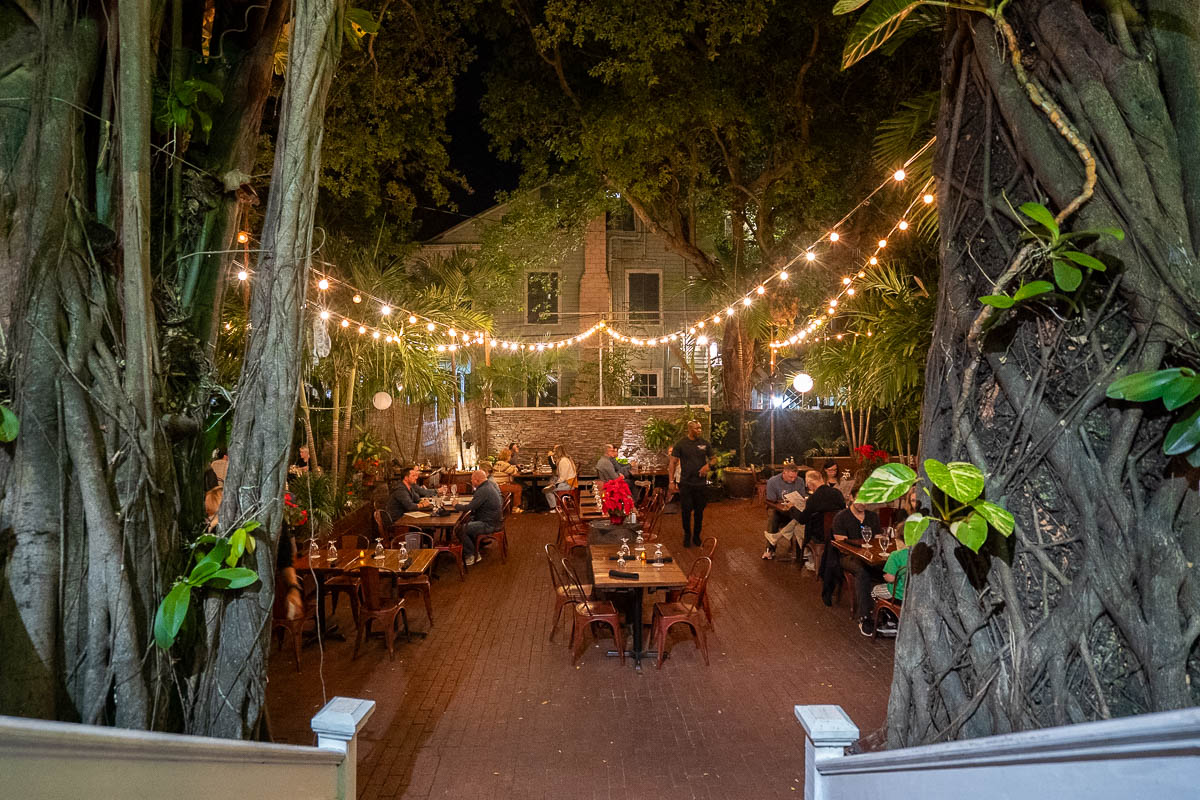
(229, 690)
(1092, 608)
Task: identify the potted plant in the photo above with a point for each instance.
(366, 454)
(617, 500)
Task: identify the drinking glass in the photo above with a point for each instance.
(379, 549)
(453, 493)
(624, 549)
(658, 555)
(332, 553)
(403, 553)
(868, 535)
(314, 549)
(621, 558)
(640, 542)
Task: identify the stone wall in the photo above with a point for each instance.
(582, 431)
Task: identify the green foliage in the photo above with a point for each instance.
(1056, 249)
(357, 23)
(192, 101)
(367, 446)
(10, 426)
(1177, 388)
(959, 481)
(209, 553)
(874, 26)
(316, 493)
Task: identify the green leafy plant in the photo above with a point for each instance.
(1057, 249)
(316, 494)
(367, 447)
(358, 24)
(661, 434)
(189, 103)
(959, 505)
(10, 426)
(216, 559)
(1178, 388)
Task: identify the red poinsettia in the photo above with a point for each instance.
(617, 500)
(870, 456)
(293, 515)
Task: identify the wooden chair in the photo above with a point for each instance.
(572, 530)
(564, 593)
(354, 541)
(376, 606)
(687, 611)
(499, 536)
(281, 624)
(589, 611)
(383, 525)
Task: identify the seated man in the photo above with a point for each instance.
(849, 525)
(609, 469)
(822, 498)
(894, 573)
(487, 509)
(782, 490)
(408, 496)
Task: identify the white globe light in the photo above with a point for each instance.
(382, 400)
(802, 383)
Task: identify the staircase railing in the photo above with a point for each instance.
(40, 760)
(1154, 756)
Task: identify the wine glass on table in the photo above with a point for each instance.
(453, 494)
(867, 535)
(379, 549)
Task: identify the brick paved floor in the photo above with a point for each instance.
(487, 706)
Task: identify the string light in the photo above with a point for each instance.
(242, 275)
(882, 243)
(324, 315)
(899, 175)
(745, 301)
(386, 311)
(834, 236)
(345, 323)
(429, 327)
(323, 285)
(902, 225)
(361, 329)
(927, 199)
(243, 237)
(357, 298)
(761, 290)
(783, 276)
(873, 261)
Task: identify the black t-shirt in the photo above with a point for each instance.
(846, 524)
(692, 454)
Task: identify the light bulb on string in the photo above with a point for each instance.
(927, 199)
(386, 311)
(761, 290)
(902, 225)
(810, 256)
(850, 291)
(882, 243)
(324, 315)
(323, 284)
(412, 320)
(345, 323)
(729, 311)
(441, 348)
(716, 318)
(833, 303)
(361, 329)
(872, 261)
(863, 274)
(452, 333)
(700, 324)
(243, 237)
(242, 275)
(452, 348)
(429, 327)
(701, 339)
(783, 276)
(899, 175)
(357, 298)
(745, 301)
(834, 236)
(845, 281)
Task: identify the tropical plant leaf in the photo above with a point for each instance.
(997, 300)
(1193, 457)
(1032, 289)
(886, 483)
(235, 577)
(1067, 276)
(959, 479)
(971, 531)
(202, 572)
(1183, 435)
(876, 24)
(217, 554)
(237, 546)
(1142, 386)
(1181, 391)
(996, 516)
(914, 528)
(10, 426)
(846, 6)
(171, 613)
(1041, 215)
(1084, 260)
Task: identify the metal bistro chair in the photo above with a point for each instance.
(499, 536)
(686, 611)
(407, 584)
(376, 606)
(707, 548)
(564, 593)
(281, 624)
(588, 612)
(653, 514)
(572, 530)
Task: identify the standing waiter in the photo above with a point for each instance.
(692, 456)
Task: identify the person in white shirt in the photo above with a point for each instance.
(565, 475)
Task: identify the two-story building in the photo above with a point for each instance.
(621, 274)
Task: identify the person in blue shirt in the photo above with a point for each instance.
(487, 515)
(780, 522)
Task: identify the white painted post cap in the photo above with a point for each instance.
(343, 717)
(827, 726)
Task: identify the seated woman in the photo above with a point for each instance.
(849, 526)
(503, 472)
(565, 475)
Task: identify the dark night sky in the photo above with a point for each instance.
(470, 154)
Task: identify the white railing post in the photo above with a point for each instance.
(830, 731)
(337, 726)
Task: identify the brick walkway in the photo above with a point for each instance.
(486, 706)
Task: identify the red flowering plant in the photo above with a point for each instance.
(293, 515)
(869, 456)
(618, 502)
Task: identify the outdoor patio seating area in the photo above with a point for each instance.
(487, 704)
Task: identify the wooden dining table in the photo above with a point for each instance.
(418, 563)
(650, 577)
(442, 523)
(876, 556)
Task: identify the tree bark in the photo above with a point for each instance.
(1091, 608)
(231, 694)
